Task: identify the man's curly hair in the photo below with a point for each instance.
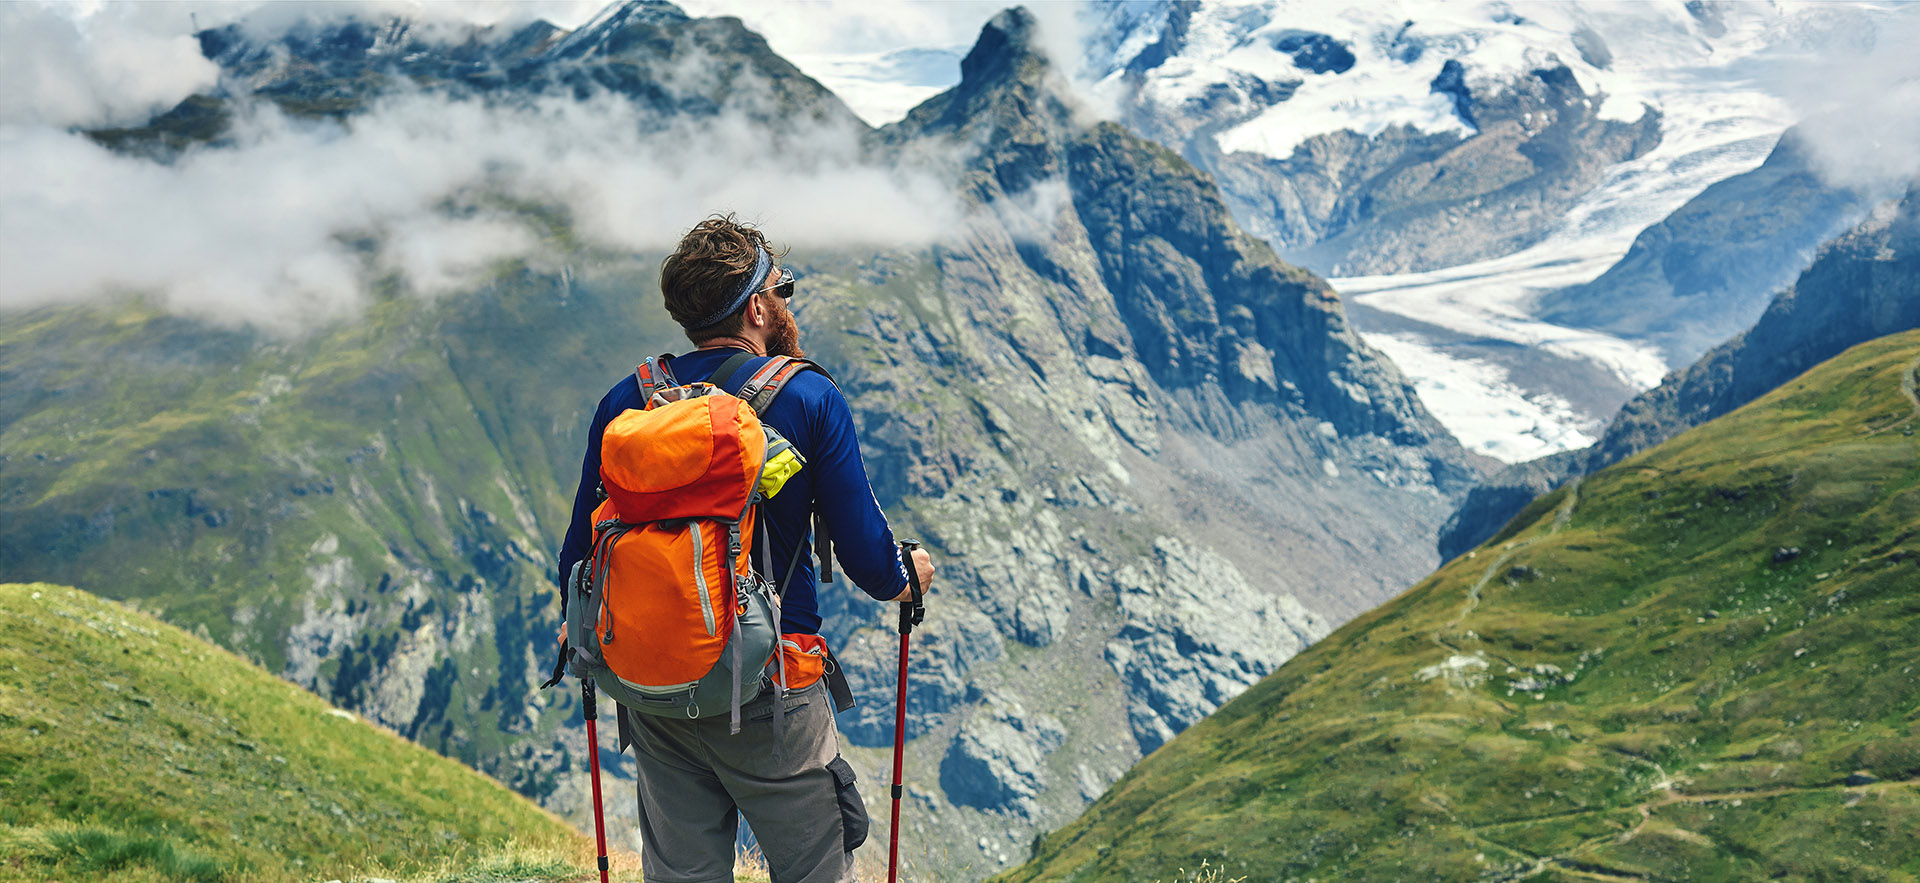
(705, 273)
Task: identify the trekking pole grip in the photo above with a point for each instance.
(912, 612)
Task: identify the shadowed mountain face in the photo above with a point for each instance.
(1153, 459)
(1862, 285)
(1703, 274)
(1692, 665)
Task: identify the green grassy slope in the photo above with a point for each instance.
(129, 746)
(1638, 679)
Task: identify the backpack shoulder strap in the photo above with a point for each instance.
(759, 379)
(760, 392)
(723, 376)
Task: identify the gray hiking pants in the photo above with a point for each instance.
(801, 803)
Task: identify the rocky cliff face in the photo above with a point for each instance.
(1863, 285)
(1161, 464)
(1154, 460)
(1408, 202)
(1703, 274)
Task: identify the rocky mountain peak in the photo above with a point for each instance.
(1006, 50)
(1009, 90)
(616, 27)
(1207, 310)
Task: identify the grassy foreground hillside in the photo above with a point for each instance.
(127, 746)
(1699, 664)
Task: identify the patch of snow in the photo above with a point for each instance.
(1649, 54)
(1482, 405)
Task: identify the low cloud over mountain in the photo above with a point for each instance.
(288, 217)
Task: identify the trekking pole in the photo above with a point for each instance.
(910, 615)
(593, 763)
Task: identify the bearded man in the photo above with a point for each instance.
(783, 773)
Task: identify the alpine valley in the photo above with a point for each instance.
(1154, 459)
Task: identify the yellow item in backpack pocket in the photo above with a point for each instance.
(782, 463)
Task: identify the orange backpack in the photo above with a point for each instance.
(668, 614)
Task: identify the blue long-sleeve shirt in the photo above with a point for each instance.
(810, 413)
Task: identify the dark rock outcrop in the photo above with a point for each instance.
(1317, 53)
(1490, 504)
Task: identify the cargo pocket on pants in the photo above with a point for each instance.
(853, 811)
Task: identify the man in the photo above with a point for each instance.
(725, 287)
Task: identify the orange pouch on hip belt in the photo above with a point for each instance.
(805, 658)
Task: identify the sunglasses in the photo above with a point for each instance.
(782, 285)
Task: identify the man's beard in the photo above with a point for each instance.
(785, 340)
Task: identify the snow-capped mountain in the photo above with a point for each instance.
(1461, 111)
(1451, 164)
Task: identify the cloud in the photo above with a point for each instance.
(1855, 84)
(89, 63)
(1033, 215)
(269, 18)
(102, 69)
(295, 221)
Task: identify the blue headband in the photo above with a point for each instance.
(760, 269)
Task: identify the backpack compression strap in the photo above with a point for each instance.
(653, 375)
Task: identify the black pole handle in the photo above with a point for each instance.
(912, 612)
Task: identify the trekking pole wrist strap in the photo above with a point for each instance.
(913, 611)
